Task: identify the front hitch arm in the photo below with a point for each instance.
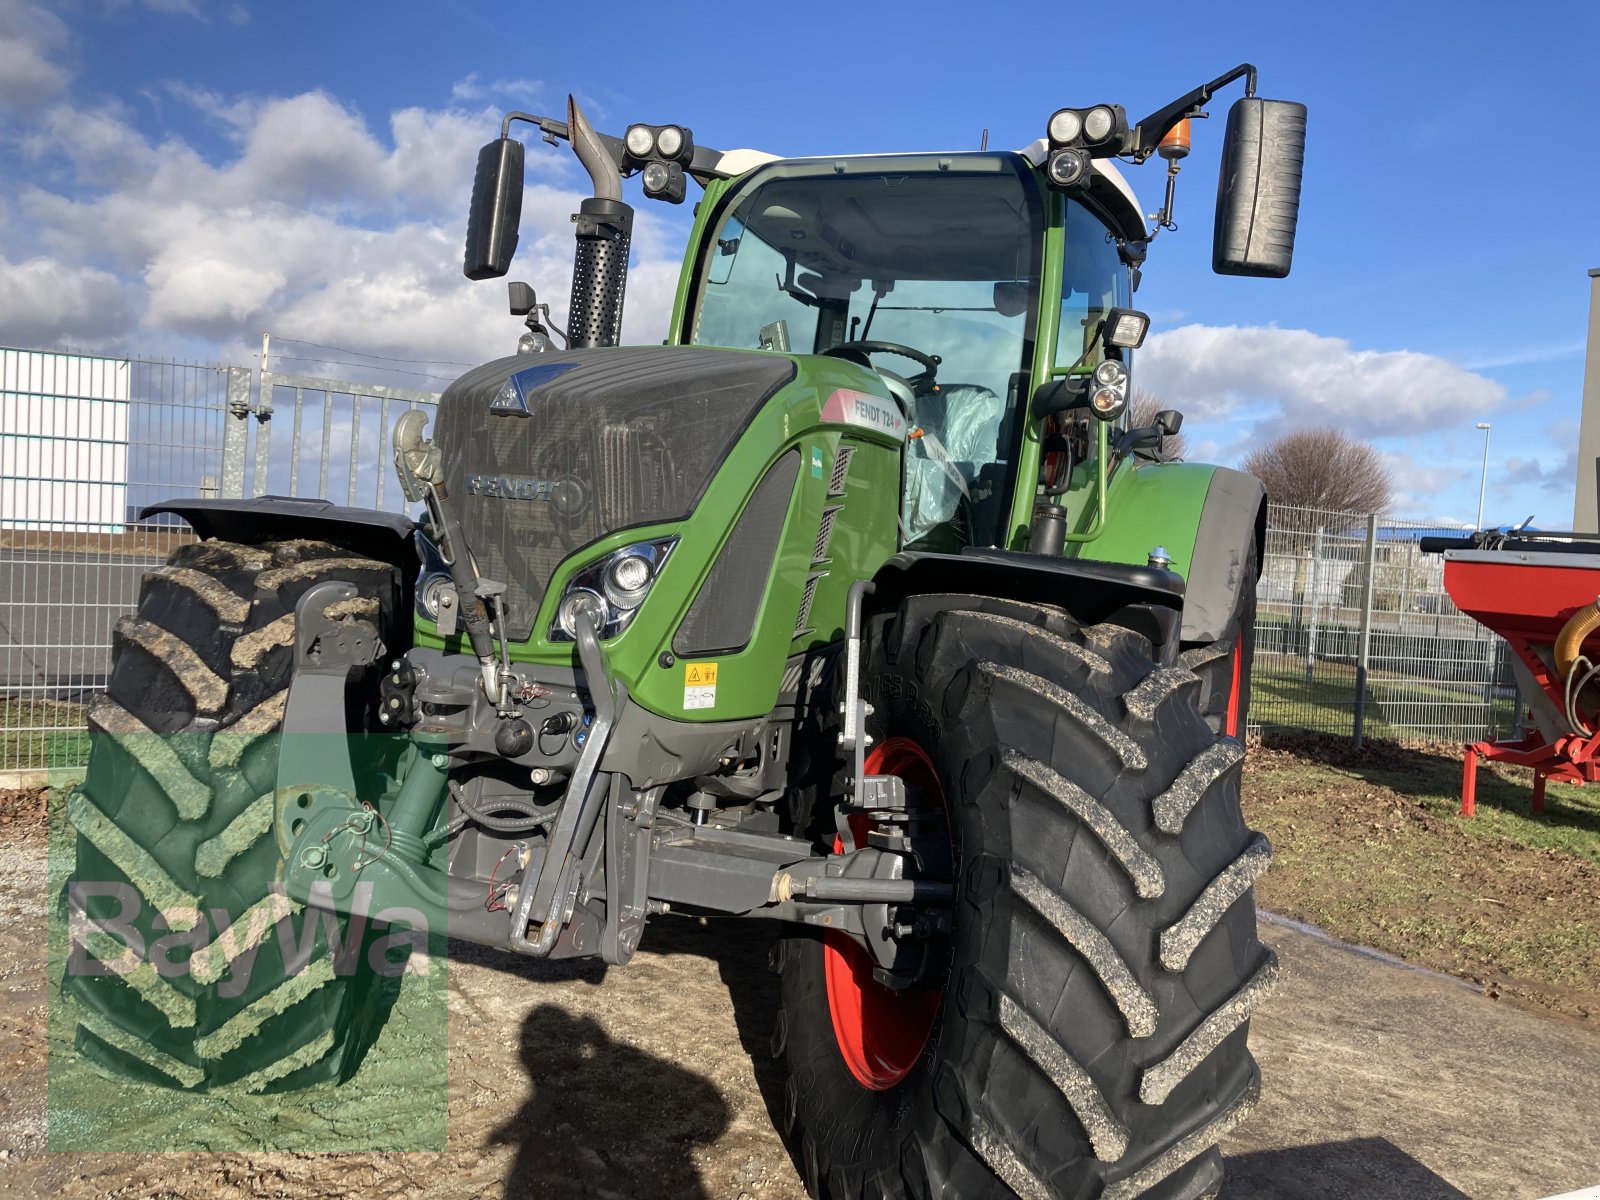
(548, 887)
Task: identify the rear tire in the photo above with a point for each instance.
(1091, 1037)
(175, 819)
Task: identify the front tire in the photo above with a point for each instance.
(217, 980)
(1091, 1035)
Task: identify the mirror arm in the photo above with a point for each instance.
(704, 161)
(553, 130)
(1148, 133)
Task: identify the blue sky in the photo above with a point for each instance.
(183, 176)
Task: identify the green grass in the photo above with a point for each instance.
(1431, 777)
(38, 735)
(1281, 697)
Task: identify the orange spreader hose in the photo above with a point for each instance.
(1569, 642)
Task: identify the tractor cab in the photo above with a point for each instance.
(929, 270)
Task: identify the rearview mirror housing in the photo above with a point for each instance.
(496, 210)
(1258, 188)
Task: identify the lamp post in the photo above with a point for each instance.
(1483, 478)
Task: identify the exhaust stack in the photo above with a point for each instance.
(605, 230)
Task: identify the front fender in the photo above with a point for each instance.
(1090, 591)
(1205, 517)
(385, 536)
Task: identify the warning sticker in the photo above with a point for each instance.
(699, 685)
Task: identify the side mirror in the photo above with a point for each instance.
(496, 210)
(1169, 421)
(1258, 188)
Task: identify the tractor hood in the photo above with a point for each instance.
(544, 454)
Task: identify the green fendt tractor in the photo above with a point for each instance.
(856, 605)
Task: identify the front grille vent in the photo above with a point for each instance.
(825, 533)
(801, 628)
(841, 470)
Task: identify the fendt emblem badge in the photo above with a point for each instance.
(512, 398)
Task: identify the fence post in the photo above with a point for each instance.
(1365, 654)
(1316, 584)
(235, 433)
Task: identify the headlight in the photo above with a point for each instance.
(656, 176)
(610, 590)
(1068, 168)
(1109, 372)
(575, 604)
(627, 580)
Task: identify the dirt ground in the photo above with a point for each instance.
(1366, 845)
(571, 1080)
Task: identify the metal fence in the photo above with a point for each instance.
(1355, 635)
(86, 443)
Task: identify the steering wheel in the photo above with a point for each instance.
(918, 383)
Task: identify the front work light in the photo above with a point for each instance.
(670, 141)
(1125, 328)
(664, 181)
(639, 140)
(1102, 130)
(1065, 126)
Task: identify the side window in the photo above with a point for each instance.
(743, 307)
(1093, 280)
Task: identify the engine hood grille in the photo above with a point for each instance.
(585, 443)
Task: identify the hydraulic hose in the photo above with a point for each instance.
(1569, 642)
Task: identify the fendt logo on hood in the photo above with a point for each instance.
(512, 487)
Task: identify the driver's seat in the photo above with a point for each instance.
(966, 419)
(963, 420)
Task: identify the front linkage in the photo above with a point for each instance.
(605, 855)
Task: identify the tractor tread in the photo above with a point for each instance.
(1179, 940)
(1138, 1010)
(1099, 812)
(1160, 1079)
(177, 806)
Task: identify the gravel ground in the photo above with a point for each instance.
(572, 1080)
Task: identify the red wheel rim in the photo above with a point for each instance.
(881, 1032)
(1231, 726)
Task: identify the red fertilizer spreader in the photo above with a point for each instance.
(1541, 592)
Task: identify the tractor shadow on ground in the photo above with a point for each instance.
(1358, 1169)
(603, 1118)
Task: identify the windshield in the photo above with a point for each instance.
(821, 256)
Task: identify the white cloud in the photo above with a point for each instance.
(312, 226)
(1287, 378)
(472, 89)
(30, 40)
(1417, 485)
(43, 303)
